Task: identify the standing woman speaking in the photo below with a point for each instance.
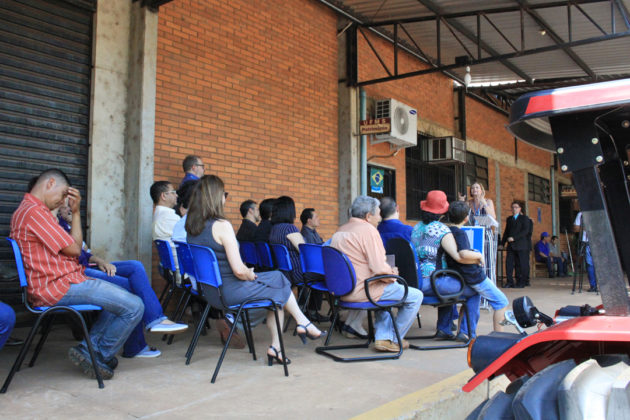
(482, 213)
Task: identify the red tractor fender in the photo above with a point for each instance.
(577, 338)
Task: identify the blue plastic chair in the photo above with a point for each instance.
(265, 260)
(43, 312)
(406, 261)
(210, 285)
(313, 262)
(341, 279)
(168, 270)
(248, 253)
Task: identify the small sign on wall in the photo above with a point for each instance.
(375, 126)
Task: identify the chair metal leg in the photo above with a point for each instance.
(88, 341)
(195, 338)
(419, 322)
(248, 333)
(284, 354)
(225, 347)
(180, 315)
(464, 309)
(21, 355)
(45, 330)
(327, 350)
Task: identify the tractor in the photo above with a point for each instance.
(578, 366)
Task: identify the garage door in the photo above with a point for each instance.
(45, 68)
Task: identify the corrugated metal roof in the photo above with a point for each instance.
(545, 25)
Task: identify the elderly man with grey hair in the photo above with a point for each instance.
(362, 244)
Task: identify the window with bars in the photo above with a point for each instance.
(421, 177)
(539, 189)
(476, 170)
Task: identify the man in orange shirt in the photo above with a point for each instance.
(360, 241)
(55, 277)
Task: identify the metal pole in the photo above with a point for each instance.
(363, 162)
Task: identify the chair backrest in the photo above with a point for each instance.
(406, 260)
(264, 255)
(208, 274)
(311, 258)
(339, 274)
(248, 253)
(186, 264)
(19, 264)
(165, 253)
(283, 261)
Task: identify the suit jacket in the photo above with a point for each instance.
(518, 229)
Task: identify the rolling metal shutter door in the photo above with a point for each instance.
(45, 70)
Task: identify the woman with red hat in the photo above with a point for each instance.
(431, 238)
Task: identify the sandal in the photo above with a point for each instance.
(304, 335)
(271, 358)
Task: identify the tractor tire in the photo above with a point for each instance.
(598, 388)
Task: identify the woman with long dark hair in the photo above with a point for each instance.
(207, 226)
(284, 232)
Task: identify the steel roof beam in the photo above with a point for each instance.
(500, 57)
(471, 13)
(557, 39)
(475, 38)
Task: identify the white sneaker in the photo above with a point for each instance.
(169, 327)
(148, 352)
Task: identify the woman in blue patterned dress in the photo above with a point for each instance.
(427, 237)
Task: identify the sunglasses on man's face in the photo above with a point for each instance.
(225, 195)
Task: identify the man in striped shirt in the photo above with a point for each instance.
(55, 277)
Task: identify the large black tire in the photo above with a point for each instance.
(597, 388)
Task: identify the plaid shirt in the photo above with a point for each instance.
(40, 238)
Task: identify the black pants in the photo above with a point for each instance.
(520, 261)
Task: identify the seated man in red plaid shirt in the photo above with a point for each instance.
(55, 276)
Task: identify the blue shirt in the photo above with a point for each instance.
(394, 228)
(188, 177)
(179, 230)
(541, 247)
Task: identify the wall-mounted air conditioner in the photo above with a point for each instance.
(404, 123)
(447, 150)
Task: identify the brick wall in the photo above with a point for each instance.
(430, 94)
(251, 87)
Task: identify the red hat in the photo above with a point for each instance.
(436, 202)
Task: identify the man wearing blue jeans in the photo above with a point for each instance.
(55, 277)
(7, 322)
(360, 241)
(131, 276)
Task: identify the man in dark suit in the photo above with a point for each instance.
(516, 232)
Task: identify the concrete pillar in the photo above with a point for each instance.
(122, 131)
(349, 139)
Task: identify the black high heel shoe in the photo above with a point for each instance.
(275, 357)
(304, 335)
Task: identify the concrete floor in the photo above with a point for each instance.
(317, 387)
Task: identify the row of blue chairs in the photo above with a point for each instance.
(199, 275)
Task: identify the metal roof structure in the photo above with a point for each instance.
(511, 46)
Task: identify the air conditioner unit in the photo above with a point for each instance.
(404, 123)
(447, 150)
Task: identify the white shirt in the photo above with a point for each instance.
(164, 220)
(578, 222)
(179, 230)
